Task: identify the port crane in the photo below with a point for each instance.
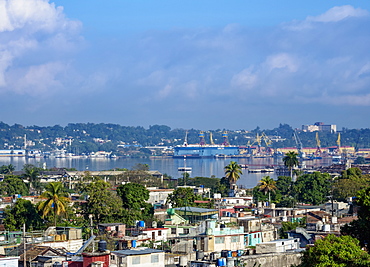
(318, 144)
(268, 142)
(299, 145)
(338, 144)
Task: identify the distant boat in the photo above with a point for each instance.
(184, 169)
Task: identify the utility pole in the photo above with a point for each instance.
(24, 246)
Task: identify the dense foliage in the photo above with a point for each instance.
(23, 212)
(360, 228)
(332, 251)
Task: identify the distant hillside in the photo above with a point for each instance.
(89, 137)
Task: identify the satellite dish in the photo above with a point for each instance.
(154, 224)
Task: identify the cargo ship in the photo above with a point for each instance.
(202, 150)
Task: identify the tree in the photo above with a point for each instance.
(233, 172)
(182, 197)
(290, 161)
(313, 188)
(7, 169)
(12, 185)
(349, 183)
(267, 185)
(31, 174)
(332, 251)
(23, 212)
(360, 228)
(134, 197)
(103, 204)
(56, 200)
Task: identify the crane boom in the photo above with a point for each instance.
(299, 144)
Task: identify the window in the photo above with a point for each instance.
(186, 231)
(220, 240)
(173, 231)
(136, 260)
(155, 258)
(159, 232)
(234, 238)
(112, 257)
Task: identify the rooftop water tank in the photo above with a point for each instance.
(102, 245)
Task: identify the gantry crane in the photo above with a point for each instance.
(338, 144)
(318, 144)
(211, 139)
(299, 145)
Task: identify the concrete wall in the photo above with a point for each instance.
(273, 260)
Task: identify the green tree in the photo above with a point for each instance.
(7, 169)
(12, 185)
(360, 228)
(349, 183)
(23, 212)
(56, 200)
(182, 197)
(31, 174)
(103, 204)
(288, 226)
(332, 251)
(290, 161)
(134, 197)
(233, 172)
(267, 185)
(313, 188)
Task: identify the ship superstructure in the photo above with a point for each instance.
(203, 150)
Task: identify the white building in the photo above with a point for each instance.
(280, 245)
(139, 257)
(320, 127)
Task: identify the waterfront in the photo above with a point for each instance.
(206, 167)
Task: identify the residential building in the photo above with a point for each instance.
(139, 257)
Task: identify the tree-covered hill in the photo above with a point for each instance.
(91, 137)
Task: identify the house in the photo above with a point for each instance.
(42, 256)
(139, 257)
(275, 246)
(218, 237)
(262, 226)
(158, 196)
(194, 214)
(112, 229)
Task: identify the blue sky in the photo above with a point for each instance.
(185, 64)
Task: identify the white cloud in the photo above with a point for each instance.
(335, 14)
(338, 13)
(34, 35)
(245, 79)
(47, 73)
(282, 61)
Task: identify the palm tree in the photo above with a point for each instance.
(31, 174)
(232, 173)
(267, 185)
(56, 200)
(290, 161)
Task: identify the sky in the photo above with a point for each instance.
(186, 64)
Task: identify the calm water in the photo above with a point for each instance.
(200, 167)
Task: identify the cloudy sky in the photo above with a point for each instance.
(186, 64)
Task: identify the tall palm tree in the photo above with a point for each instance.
(290, 161)
(32, 176)
(56, 200)
(233, 172)
(267, 185)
